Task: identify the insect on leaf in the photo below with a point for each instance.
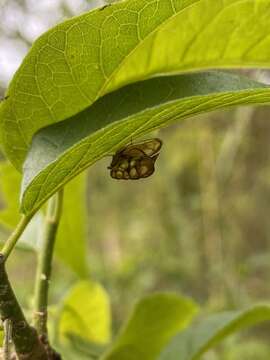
(135, 161)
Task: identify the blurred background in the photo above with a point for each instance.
(199, 226)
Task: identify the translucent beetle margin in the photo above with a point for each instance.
(135, 161)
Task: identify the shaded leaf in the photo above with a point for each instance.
(86, 313)
(61, 151)
(154, 321)
(197, 339)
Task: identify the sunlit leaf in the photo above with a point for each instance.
(86, 313)
(76, 348)
(154, 321)
(10, 183)
(71, 238)
(197, 339)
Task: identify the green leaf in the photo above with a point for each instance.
(71, 236)
(82, 59)
(70, 246)
(79, 349)
(61, 151)
(155, 320)
(10, 183)
(197, 339)
(86, 313)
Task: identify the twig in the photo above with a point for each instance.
(25, 337)
(45, 263)
(7, 340)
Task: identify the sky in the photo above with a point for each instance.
(23, 21)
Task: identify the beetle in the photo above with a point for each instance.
(135, 161)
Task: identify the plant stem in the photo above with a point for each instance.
(7, 340)
(44, 266)
(25, 338)
(14, 237)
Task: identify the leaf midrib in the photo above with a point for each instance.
(102, 90)
(100, 156)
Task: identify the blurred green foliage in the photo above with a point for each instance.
(153, 322)
(198, 226)
(86, 313)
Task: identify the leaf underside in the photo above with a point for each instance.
(61, 151)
